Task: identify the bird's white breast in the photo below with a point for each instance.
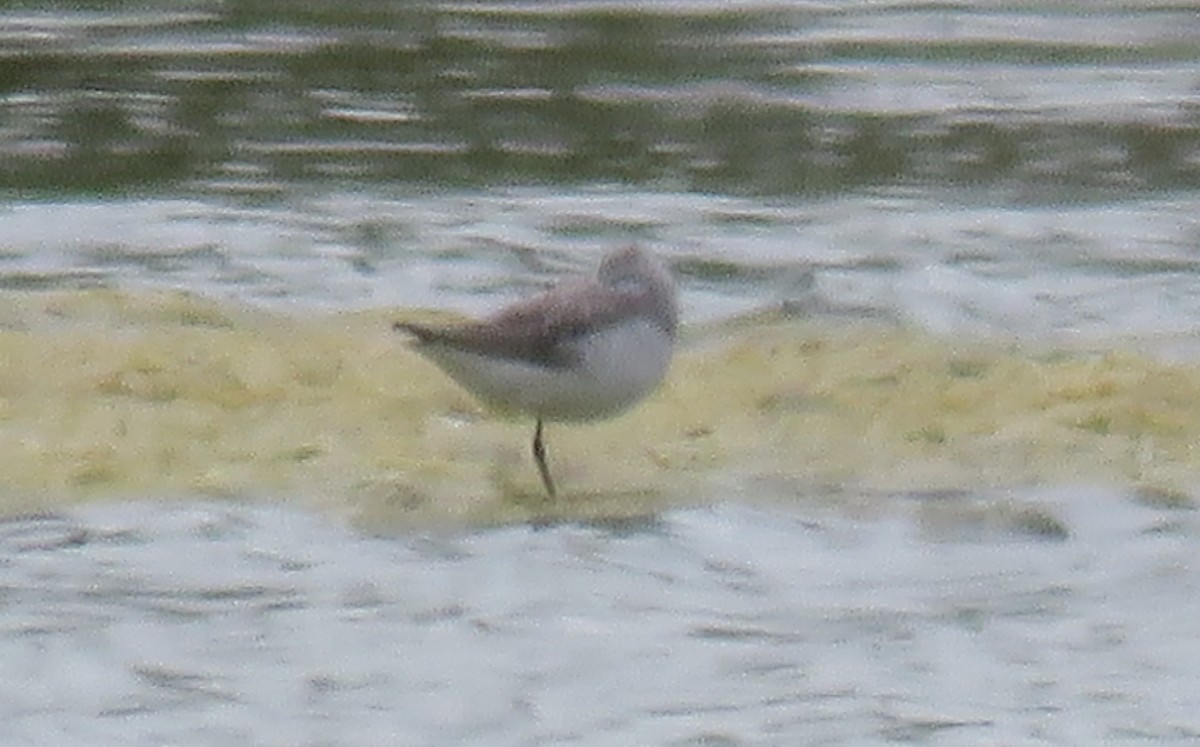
(615, 367)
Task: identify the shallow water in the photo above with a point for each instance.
(967, 167)
(219, 623)
(924, 470)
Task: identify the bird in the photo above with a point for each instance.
(587, 349)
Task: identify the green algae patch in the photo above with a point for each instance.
(109, 394)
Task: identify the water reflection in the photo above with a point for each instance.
(781, 99)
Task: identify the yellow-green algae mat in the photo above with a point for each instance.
(107, 394)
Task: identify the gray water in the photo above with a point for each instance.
(973, 168)
(220, 624)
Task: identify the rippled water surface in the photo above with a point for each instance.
(1028, 167)
(936, 484)
(219, 624)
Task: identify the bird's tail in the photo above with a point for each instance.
(419, 331)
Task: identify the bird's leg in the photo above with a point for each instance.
(539, 454)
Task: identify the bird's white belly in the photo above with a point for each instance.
(616, 368)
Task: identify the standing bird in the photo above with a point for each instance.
(586, 349)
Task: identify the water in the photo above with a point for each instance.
(217, 623)
(973, 167)
(934, 484)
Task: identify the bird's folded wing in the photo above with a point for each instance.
(540, 331)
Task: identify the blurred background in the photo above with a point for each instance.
(924, 471)
(1026, 167)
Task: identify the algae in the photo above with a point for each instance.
(114, 394)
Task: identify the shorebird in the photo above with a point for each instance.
(586, 349)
